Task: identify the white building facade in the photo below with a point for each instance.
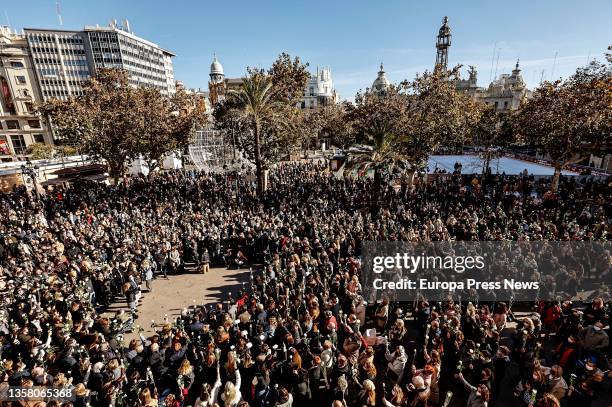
(64, 60)
(60, 61)
(320, 90)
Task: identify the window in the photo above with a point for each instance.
(30, 107)
(20, 80)
(39, 138)
(16, 64)
(505, 105)
(35, 124)
(12, 124)
(19, 145)
(496, 105)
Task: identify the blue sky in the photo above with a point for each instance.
(351, 37)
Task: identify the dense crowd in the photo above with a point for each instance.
(300, 332)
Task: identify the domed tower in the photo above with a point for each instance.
(381, 83)
(517, 78)
(443, 43)
(216, 85)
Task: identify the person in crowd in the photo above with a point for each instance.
(302, 331)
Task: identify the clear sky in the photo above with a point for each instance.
(350, 36)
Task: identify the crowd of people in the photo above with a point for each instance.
(301, 331)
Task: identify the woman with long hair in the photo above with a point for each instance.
(367, 396)
(185, 377)
(231, 395)
(398, 398)
(205, 398)
(479, 395)
(145, 398)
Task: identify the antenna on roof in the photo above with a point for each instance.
(8, 22)
(492, 62)
(497, 63)
(542, 76)
(552, 72)
(59, 12)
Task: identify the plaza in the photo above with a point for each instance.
(188, 221)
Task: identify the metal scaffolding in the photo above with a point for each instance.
(208, 151)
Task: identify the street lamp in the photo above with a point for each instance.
(30, 170)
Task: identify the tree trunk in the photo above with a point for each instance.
(114, 171)
(556, 176)
(487, 162)
(258, 164)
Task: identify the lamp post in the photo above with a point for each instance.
(30, 170)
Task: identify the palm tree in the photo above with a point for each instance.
(379, 126)
(255, 103)
(377, 153)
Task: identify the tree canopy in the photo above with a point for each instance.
(567, 120)
(116, 122)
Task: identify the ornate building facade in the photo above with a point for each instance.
(20, 126)
(505, 93)
(381, 83)
(319, 90)
(216, 84)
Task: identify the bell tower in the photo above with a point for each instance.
(443, 43)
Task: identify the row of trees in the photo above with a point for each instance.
(567, 120)
(397, 131)
(116, 122)
(394, 132)
(564, 120)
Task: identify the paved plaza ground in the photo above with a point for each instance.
(178, 292)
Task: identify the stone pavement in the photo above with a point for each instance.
(169, 297)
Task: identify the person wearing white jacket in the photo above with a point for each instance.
(397, 360)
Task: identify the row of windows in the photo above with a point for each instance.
(56, 72)
(49, 71)
(106, 60)
(35, 38)
(47, 61)
(70, 51)
(57, 61)
(14, 124)
(147, 76)
(106, 49)
(60, 82)
(55, 92)
(138, 48)
(144, 67)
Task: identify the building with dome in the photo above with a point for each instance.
(216, 84)
(381, 84)
(219, 85)
(505, 92)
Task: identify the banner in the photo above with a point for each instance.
(485, 271)
(4, 147)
